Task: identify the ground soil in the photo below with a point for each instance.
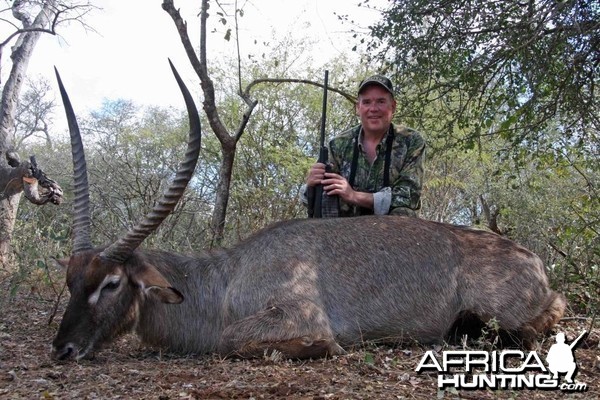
(128, 370)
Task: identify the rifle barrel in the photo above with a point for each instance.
(323, 154)
(324, 109)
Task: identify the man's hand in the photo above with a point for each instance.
(335, 184)
(316, 174)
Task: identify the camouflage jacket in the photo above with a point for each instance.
(403, 196)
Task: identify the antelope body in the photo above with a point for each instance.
(306, 288)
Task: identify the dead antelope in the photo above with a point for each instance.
(305, 287)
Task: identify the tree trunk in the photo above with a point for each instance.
(20, 55)
(8, 214)
(222, 196)
(228, 140)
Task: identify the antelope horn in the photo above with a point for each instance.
(81, 204)
(124, 247)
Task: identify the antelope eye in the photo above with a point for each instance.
(112, 285)
(109, 284)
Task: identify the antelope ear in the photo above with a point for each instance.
(168, 295)
(153, 283)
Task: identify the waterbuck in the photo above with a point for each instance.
(306, 288)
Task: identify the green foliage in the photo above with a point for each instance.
(281, 139)
(276, 151)
(505, 68)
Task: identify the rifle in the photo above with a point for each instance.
(315, 194)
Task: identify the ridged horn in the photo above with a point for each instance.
(81, 204)
(122, 249)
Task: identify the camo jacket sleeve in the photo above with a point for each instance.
(406, 175)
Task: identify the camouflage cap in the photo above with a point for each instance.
(377, 80)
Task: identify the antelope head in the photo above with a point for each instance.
(28, 178)
(108, 284)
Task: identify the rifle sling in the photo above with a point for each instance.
(386, 166)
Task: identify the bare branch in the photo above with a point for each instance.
(351, 98)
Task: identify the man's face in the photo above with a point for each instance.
(375, 107)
